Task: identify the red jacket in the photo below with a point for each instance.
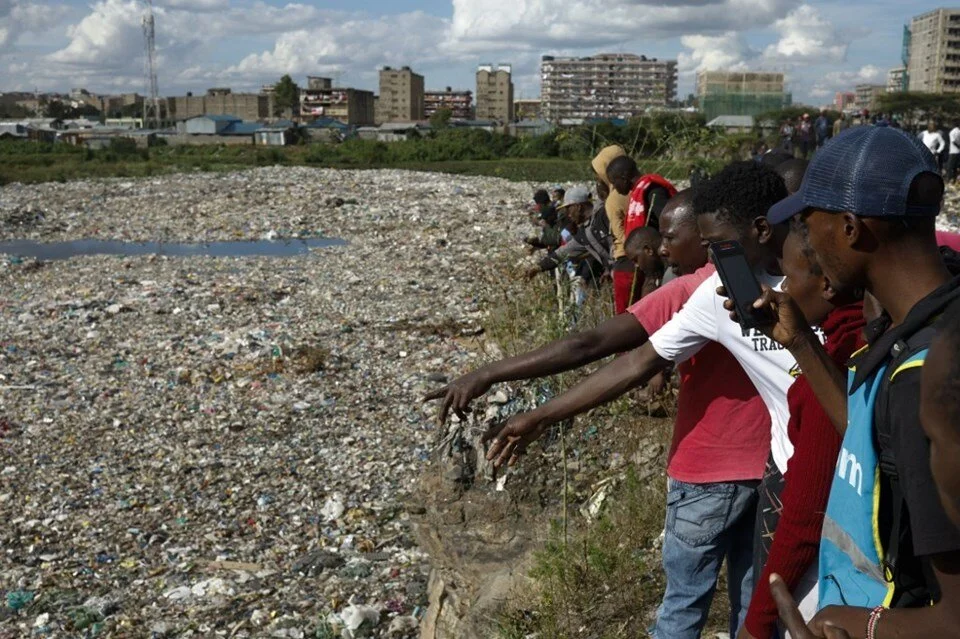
(809, 474)
(637, 213)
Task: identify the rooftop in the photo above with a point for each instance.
(743, 121)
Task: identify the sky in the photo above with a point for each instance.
(823, 47)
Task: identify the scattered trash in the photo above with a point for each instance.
(228, 446)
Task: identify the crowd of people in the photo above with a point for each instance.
(813, 455)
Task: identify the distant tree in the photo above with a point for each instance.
(286, 95)
(441, 119)
(55, 109)
(914, 107)
(134, 110)
(14, 111)
(792, 112)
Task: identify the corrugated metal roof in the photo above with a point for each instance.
(403, 126)
(744, 121)
(241, 128)
(218, 118)
(327, 123)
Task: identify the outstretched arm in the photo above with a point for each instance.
(511, 439)
(616, 335)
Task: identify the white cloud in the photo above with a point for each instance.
(18, 18)
(847, 80)
(108, 37)
(333, 46)
(537, 24)
(708, 53)
(195, 5)
(805, 36)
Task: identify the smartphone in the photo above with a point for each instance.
(740, 282)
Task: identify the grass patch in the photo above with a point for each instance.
(602, 578)
(30, 162)
(605, 580)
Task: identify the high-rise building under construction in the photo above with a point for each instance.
(932, 47)
(740, 93)
(606, 85)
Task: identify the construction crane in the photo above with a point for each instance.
(151, 102)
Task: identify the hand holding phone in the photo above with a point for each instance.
(740, 283)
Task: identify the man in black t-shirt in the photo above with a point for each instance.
(869, 202)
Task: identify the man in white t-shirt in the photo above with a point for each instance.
(933, 140)
(736, 211)
(954, 162)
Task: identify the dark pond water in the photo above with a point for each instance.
(263, 248)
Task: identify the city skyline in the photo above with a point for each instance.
(821, 47)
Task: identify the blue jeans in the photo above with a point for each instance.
(705, 524)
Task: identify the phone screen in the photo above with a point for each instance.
(739, 280)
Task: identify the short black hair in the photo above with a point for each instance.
(540, 196)
(792, 172)
(561, 192)
(740, 193)
(623, 165)
(775, 158)
(644, 235)
(948, 336)
(799, 229)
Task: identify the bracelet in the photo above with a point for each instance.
(874, 621)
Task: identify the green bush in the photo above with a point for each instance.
(124, 146)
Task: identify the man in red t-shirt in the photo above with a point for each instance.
(720, 444)
(648, 195)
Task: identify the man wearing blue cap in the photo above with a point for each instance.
(869, 202)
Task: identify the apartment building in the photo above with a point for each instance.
(845, 100)
(354, 107)
(401, 96)
(868, 95)
(527, 109)
(606, 85)
(495, 92)
(933, 42)
(459, 103)
(740, 93)
(897, 80)
(220, 101)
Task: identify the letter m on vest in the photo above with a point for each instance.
(849, 469)
(851, 550)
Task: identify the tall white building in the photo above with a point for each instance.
(606, 85)
(934, 46)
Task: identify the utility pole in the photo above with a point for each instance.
(151, 102)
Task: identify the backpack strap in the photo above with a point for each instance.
(906, 354)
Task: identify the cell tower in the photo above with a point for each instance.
(151, 103)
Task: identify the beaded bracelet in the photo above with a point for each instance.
(874, 621)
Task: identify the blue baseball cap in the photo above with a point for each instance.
(865, 170)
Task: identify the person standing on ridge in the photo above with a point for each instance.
(616, 207)
(648, 195)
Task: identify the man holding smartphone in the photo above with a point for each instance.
(869, 204)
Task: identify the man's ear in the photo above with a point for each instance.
(853, 229)
(826, 289)
(763, 229)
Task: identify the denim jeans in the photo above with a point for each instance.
(705, 524)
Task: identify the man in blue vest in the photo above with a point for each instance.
(940, 415)
(869, 200)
